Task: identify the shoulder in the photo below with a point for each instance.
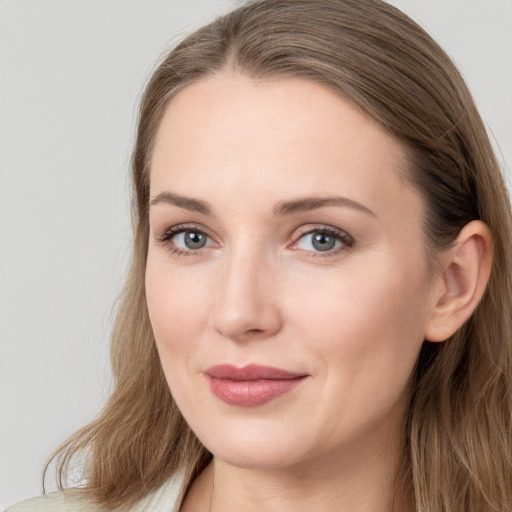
(66, 501)
(165, 499)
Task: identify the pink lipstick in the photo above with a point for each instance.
(251, 385)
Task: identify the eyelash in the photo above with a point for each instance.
(165, 239)
(346, 240)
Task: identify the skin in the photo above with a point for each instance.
(352, 318)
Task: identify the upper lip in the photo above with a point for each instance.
(251, 372)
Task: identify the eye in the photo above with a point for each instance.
(183, 240)
(326, 240)
(190, 240)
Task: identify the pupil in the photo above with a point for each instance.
(323, 242)
(194, 240)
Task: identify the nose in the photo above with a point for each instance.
(246, 306)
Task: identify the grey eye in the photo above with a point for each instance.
(190, 240)
(323, 242)
(319, 241)
(194, 240)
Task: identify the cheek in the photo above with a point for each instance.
(368, 320)
(177, 305)
(365, 336)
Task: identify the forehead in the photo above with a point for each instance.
(231, 133)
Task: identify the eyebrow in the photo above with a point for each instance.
(312, 203)
(281, 209)
(188, 203)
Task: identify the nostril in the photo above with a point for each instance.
(252, 332)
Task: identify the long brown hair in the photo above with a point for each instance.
(458, 447)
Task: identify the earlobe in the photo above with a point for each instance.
(466, 270)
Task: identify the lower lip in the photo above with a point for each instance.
(250, 393)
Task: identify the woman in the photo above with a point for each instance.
(317, 312)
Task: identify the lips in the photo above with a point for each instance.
(251, 385)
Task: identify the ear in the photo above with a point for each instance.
(466, 268)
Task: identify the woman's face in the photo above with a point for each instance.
(286, 280)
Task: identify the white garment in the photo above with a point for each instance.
(164, 499)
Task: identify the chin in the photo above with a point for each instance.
(252, 448)
(266, 458)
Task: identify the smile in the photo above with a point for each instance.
(251, 385)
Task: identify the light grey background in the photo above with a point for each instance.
(71, 73)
